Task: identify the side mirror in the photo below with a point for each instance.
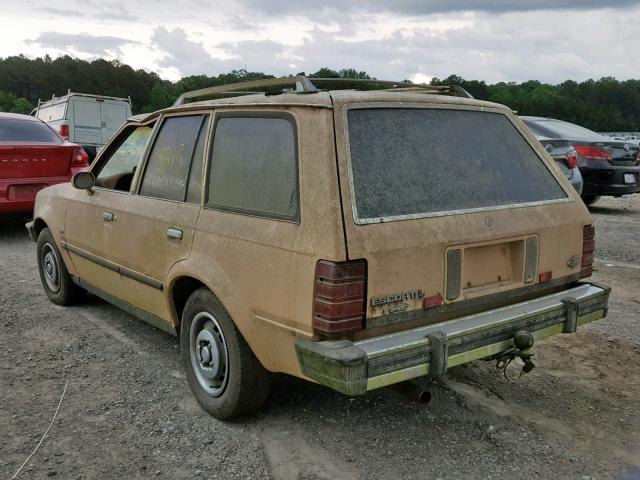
(83, 180)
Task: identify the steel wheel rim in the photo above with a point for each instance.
(209, 354)
(50, 267)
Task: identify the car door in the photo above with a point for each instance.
(92, 217)
(156, 225)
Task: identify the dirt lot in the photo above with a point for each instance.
(128, 413)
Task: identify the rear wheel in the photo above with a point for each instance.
(590, 199)
(223, 373)
(54, 276)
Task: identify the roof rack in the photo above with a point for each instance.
(301, 84)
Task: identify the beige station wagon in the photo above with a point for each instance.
(356, 237)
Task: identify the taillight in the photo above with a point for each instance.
(64, 131)
(339, 297)
(572, 159)
(592, 153)
(588, 250)
(79, 158)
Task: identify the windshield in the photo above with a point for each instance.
(12, 130)
(424, 162)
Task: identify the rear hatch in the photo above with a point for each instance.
(452, 205)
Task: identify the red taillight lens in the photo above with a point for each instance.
(588, 250)
(64, 131)
(79, 158)
(572, 159)
(339, 297)
(592, 153)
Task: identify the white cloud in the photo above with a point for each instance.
(494, 41)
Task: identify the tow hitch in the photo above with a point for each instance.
(523, 343)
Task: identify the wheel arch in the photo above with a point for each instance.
(186, 276)
(38, 225)
(273, 346)
(180, 290)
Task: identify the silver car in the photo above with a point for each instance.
(566, 157)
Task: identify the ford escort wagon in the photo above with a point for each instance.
(355, 234)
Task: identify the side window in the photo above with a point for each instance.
(254, 167)
(167, 171)
(116, 172)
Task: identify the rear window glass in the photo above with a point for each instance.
(27, 131)
(254, 167)
(568, 130)
(52, 112)
(422, 162)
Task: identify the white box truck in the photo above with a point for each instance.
(88, 120)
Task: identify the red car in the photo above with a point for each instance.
(32, 157)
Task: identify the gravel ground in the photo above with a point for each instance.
(128, 413)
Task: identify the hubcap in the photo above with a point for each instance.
(209, 354)
(50, 267)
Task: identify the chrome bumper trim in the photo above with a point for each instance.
(356, 367)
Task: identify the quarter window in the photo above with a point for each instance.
(117, 171)
(194, 186)
(254, 166)
(167, 172)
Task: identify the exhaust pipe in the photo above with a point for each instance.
(414, 390)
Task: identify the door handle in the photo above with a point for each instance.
(174, 233)
(107, 216)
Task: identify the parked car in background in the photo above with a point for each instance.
(633, 139)
(33, 156)
(88, 120)
(303, 232)
(608, 167)
(566, 158)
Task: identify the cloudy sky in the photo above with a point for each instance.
(498, 40)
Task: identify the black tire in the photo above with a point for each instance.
(54, 276)
(590, 199)
(232, 383)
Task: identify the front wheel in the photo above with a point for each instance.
(223, 373)
(54, 276)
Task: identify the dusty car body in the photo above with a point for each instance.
(297, 244)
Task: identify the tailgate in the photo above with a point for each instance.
(28, 161)
(451, 208)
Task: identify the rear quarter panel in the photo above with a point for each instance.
(262, 270)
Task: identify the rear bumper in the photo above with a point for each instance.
(610, 180)
(354, 368)
(19, 194)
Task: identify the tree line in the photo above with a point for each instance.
(602, 105)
